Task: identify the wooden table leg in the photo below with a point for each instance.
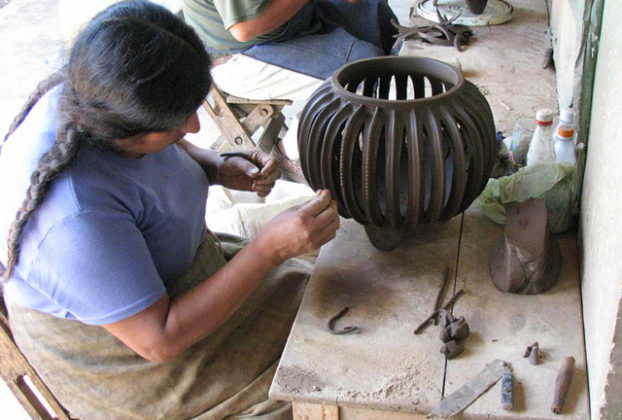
(307, 411)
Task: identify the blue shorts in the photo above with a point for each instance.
(326, 34)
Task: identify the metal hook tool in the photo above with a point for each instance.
(346, 330)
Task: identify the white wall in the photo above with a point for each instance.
(601, 223)
(601, 201)
(567, 25)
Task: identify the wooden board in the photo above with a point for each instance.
(387, 372)
(384, 366)
(503, 325)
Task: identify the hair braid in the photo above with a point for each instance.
(49, 166)
(41, 89)
(135, 68)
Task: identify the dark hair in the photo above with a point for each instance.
(135, 68)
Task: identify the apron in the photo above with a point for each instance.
(225, 375)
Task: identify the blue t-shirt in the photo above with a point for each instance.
(111, 233)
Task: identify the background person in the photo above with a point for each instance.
(286, 48)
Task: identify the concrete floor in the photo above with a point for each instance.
(36, 44)
(30, 50)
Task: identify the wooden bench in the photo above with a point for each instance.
(249, 123)
(384, 371)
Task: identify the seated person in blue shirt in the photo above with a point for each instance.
(119, 296)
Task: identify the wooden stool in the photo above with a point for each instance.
(239, 121)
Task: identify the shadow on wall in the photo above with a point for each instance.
(4, 3)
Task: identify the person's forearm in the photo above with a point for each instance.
(208, 159)
(169, 326)
(279, 12)
(203, 309)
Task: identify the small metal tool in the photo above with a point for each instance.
(345, 330)
(434, 314)
(507, 388)
(227, 155)
(441, 289)
(533, 353)
(562, 384)
(470, 391)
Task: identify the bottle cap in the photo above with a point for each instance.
(565, 131)
(544, 116)
(566, 115)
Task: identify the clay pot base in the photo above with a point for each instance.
(495, 12)
(505, 270)
(383, 238)
(528, 260)
(476, 6)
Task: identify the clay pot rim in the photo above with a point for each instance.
(450, 74)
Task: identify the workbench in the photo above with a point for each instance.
(385, 371)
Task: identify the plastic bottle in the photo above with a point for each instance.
(566, 117)
(521, 137)
(541, 148)
(564, 145)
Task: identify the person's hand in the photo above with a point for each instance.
(248, 171)
(300, 229)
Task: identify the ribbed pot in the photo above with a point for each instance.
(399, 141)
(476, 6)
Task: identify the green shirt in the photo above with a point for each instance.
(211, 18)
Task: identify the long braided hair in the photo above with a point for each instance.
(135, 68)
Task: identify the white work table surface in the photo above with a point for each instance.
(384, 371)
